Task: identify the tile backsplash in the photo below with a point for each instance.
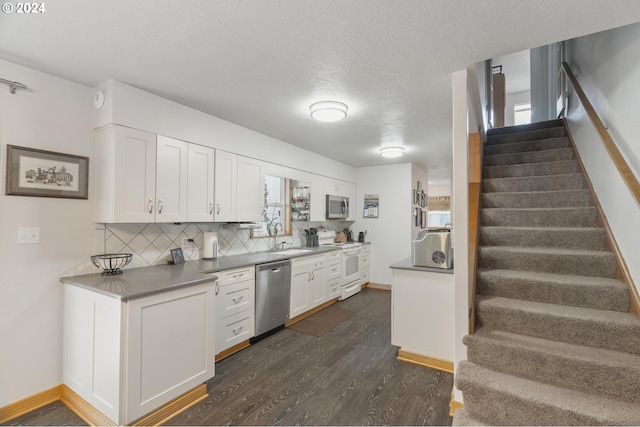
(150, 244)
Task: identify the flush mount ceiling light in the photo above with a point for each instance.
(328, 111)
(391, 152)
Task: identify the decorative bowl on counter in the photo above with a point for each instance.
(111, 263)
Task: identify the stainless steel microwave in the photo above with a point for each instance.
(337, 207)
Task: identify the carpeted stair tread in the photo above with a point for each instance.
(519, 401)
(613, 373)
(574, 181)
(545, 124)
(540, 217)
(552, 155)
(548, 260)
(611, 330)
(537, 199)
(531, 169)
(462, 418)
(510, 138)
(520, 147)
(586, 238)
(578, 291)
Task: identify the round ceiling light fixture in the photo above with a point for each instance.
(391, 152)
(328, 111)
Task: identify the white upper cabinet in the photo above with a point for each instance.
(250, 190)
(200, 183)
(225, 186)
(171, 180)
(239, 186)
(125, 178)
(317, 200)
(350, 192)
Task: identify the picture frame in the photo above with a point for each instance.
(423, 224)
(176, 256)
(42, 173)
(418, 216)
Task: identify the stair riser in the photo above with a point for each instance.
(591, 239)
(526, 136)
(566, 329)
(506, 409)
(569, 217)
(622, 382)
(577, 295)
(531, 169)
(592, 264)
(529, 157)
(545, 183)
(521, 147)
(544, 199)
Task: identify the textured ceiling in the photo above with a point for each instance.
(260, 64)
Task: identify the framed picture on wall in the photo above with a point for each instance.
(41, 173)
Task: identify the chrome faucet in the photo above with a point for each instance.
(280, 246)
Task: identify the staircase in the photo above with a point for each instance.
(554, 342)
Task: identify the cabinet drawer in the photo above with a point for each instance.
(333, 288)
(228, 277)
(334, 270)
(364, 260)
(365, 249)
(333, 256)
(364, 278)
(307, 263)
(234, 298)
(234, 329)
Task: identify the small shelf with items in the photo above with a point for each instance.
(300, 203)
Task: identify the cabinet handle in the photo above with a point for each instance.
(210, 208)
(235, 276)
(237, 330)
(238, 299)
(217, 208)
(150, 206)
(313, 275)
(217, 287)
(160, 206)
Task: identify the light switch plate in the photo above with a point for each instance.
(28, 235)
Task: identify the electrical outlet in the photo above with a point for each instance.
(28, 235)
(367, 231)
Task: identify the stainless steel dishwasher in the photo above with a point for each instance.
(273, 288)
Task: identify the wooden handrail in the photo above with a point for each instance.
(620, 163)
(475, 190)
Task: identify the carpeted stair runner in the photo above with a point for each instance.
(554, 341)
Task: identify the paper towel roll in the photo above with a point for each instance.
(210, 241)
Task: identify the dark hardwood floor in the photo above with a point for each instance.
(349, 376)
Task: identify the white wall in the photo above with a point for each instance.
(460, 213)
(53, 114)
(512, 100)
(608, 68)
(390, 235)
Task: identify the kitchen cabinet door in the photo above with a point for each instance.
(317, 200)
(250, 190)
(171, 180)
(226, 167)
(125, 174)
(200, 179)
(317, 286)
(350, 192)
(299, 300)
(166, 358)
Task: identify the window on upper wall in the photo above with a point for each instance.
(438, 211)
(277, 220)
(522, 114)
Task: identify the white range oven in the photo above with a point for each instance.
(350, 268)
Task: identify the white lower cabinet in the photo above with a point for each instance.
(129, 358)
(333, 262)
(235, 307)
(365, 263)
(308, 284)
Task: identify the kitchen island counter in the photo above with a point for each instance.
(407, 264)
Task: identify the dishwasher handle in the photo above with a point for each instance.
(273, 266)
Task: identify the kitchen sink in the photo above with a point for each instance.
(293, 251)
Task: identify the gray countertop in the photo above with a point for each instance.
(407, 264)
(144, 281)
